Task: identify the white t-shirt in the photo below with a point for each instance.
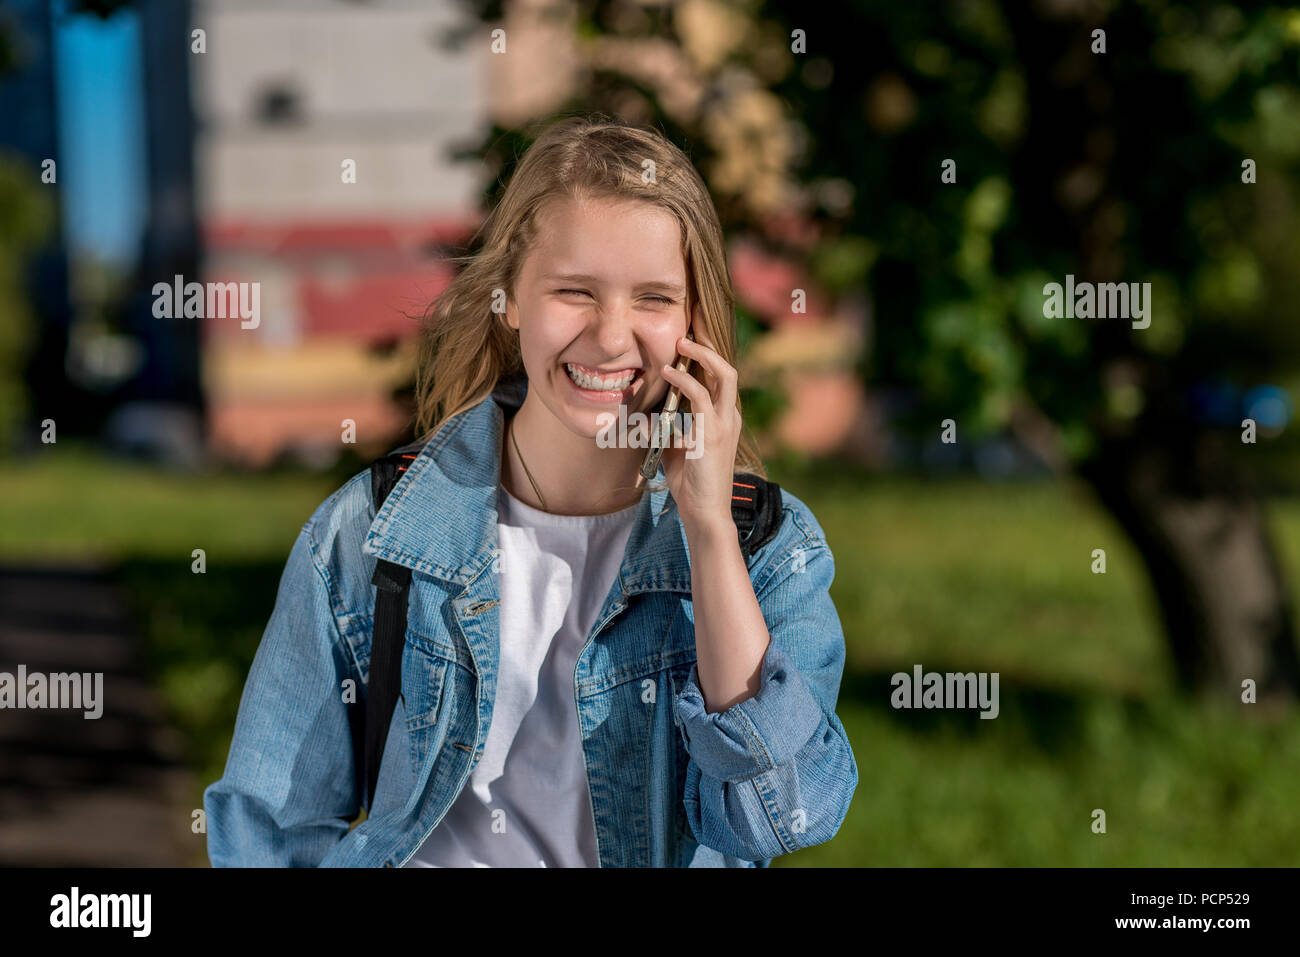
(526, 803)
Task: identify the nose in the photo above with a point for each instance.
(615, 330)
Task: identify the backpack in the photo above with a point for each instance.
(755, 508)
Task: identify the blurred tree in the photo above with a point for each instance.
(25, 218)
(1112, 157)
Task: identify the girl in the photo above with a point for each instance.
(592, 674)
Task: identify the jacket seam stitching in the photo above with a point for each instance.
(758, 749)
(337, 641)
(766, 795)
(671, 703)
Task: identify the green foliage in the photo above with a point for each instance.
(1127, 164)
(843, 263)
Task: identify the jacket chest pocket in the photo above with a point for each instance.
(433, 680)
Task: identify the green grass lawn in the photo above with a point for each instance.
(952, 575)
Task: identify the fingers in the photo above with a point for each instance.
(702, 351)
(690, 387)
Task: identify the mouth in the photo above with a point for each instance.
(597, 384)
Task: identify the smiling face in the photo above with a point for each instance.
(599, 305)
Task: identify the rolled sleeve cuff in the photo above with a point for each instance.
(755, 735)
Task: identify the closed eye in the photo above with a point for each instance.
(582, 292)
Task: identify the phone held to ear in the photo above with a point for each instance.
(659, 435)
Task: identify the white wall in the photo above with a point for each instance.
(372, 84)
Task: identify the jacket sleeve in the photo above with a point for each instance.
(775, 773)
(288, 793)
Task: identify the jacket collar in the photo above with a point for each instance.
(441, 516)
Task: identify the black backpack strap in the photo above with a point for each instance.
(392, 583)
(385, 471)
(756, 509)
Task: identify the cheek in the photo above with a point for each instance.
(668, 343)
(663, 352)
(538, 345)
(550, 334)
(656, 396)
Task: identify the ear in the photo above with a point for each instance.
(512, 315)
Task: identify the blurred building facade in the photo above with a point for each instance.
(323, 174)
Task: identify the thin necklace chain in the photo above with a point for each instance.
(533, 483)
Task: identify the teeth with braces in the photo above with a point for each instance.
(598, 383)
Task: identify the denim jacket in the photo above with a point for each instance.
(670, 785)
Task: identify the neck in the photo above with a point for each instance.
(574, 475)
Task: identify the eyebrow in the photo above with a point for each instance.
(583, 277)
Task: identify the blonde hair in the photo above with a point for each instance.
(466, 348)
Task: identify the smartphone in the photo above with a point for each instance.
(659, 436)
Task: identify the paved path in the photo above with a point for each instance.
(104, 792)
